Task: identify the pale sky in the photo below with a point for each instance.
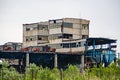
(104, 16)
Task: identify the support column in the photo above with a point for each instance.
(86, 53)
(27, 60)
(109, 48)
(93, 55)
(82, 64)
(101, 54)
(55, 60)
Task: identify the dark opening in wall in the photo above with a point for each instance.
(26, 39)
(31, 39)
(68, 36)
(73, 45)
(84, 36)
(85, 26)
(66, 45)
(27, 29)
(54, 21)
(39, 38)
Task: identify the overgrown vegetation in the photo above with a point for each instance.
(71, 73)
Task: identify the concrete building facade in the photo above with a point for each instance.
(64, 29)
(35, 34)
(65, 35)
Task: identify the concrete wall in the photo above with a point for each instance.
(77, 30)
(31, 43)
(77, 49)
(43, 32)
(55, 41)
(76, 20)
(34, 31)
(85, 32)
(55, 31)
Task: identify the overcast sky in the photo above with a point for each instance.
(104, 16)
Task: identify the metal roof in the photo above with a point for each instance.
(99, 41)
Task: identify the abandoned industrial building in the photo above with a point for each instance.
(65, 35)
(63, 41)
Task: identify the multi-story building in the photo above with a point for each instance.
(64, 29)
(65, 35)
(35, 34)
(68, 34)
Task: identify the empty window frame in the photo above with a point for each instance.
(84, 36)
(30, 38)
(85, 26)
(42, 27)
(59, 36)
(39, 37)
(57, 25)
(35, 28)
(66, 45)
(44, 38)
(27, 29)
(55, 36)
(68, 36)
(27, 40)
(72, 45)
(67, 25)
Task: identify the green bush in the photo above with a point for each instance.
(71, 73)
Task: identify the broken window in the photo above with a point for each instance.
(39, 38)
(26, 39)
(68, 36)
(66, 45)
(44, 38)
(43, 27)
(84, 36)
(31, 38)
(55, 36)
(59, 36)
(85, 26)
(72, 45)
(56, 25)
(27, 29)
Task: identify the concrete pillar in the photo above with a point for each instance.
(109, 47)
(82, 64)
(27, 60)
(55, 60)
(93, 54)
